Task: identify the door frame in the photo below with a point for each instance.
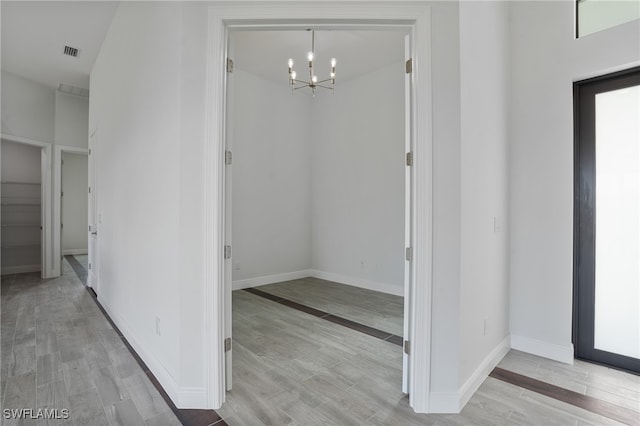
(584, 231)
(57, 202)
(416, 17)
(46, 260)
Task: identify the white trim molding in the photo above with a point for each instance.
(396, 290)
(75, 252)
(270, 279)
(454, 402)
(415, 17)
(562, 353)
(20, 269)
(184, 398)
(487, 365)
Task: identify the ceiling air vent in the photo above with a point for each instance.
(71, 51)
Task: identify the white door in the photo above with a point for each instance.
(407, 216)
(228, 317)
(93, 219)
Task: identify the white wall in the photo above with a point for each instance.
(20, 163)
(147, 106)
(319, 182)
(138, 57)
(484, 274)
(271, 169)
(21, 211)
(74, 203)
(357, 182)
(27, 108)
(445, 303)
(71, 120)
(545, 61)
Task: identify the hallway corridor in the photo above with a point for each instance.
(60, 352)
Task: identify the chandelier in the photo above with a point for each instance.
(313, 82)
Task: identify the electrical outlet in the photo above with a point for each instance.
(158, 326)
(484, 327)
(236, 266)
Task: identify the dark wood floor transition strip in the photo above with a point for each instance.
(371, 331)
(186, 417)
(603, 408)
(80, 271)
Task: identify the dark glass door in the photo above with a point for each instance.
(606, 320)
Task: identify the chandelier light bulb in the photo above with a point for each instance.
(311, 81)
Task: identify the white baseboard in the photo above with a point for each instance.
(20, 269)
(358, 282)
(329, 276)
(562, 353)
(74, 252)
(187, 397)
(487, 365)
(270, 279)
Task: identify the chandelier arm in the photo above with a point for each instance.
(325, 80)
(325, 87)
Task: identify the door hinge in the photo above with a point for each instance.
(408, 66)
(408, 254)
(61, 225)
(89, 266)
(227, 252)
(409, 159)
(227, 344)
(229, 65)
(61, 193)
(228, 158)
(407, 347)
(89, 190)
(89, 151)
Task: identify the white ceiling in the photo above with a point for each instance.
(265, 53)
(34, 34)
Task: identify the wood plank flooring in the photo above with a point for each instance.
(372, 308)
(294, 367)
(60, 352)
(371, 331)
(290, 367)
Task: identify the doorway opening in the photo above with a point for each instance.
(606, 309)
(317, 204)
(25, 206)
(416, 18)
(72, 205)
(21, 208)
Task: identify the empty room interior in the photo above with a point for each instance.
(363, 213)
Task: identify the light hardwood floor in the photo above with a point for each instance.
(59, 351)
(294, 368)
(372, 308)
